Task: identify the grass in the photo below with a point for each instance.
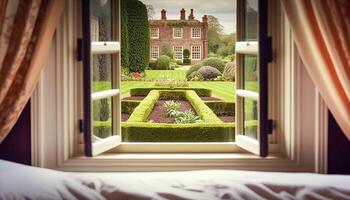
(166, 74)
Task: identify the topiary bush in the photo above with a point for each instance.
(209, 73)
(163, 62)
(166, 50)
(179, 62)
(138, 33)
(214, 62)
(186, 57)
(230, 71)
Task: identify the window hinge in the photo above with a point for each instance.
(81, 126)
(269, 126)
(80, 49)
(269, 50)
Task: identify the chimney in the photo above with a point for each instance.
(205, 19)
(183, 14)
(163, 14)
(191, 16)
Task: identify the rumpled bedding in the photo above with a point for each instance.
(24, 182)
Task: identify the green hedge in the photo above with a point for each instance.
(142, 111)
(102, 129)
(202, 92)
(172, 94)
(159, 132)
(138, 33)
(128, 106)
(204, 112)
(221, 108)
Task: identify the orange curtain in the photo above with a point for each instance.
(26, 31)
(321, 30)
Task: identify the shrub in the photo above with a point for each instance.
(172, 94)
(230, 71)
(138, 33)
(173, 65)
(209, 73)
(186, 61)
(171, 83)
(178, 62)
(186, 57)
(195, 76)
(192, 69)
(222, 108)
(124, 35)
(142, 111)
(167, 51)
(163, 62)
(171, 107)
(152, 65)
(128, 106)
(186, 117)
(214, 62)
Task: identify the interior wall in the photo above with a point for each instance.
(17, 145)
(338, 149)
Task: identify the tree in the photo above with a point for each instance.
(214, 31)
(124, 35)
(138, 32)
(150, 11)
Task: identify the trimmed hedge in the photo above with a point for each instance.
(142, 111)
(204, 112)
(222, 108)
(102, 129)
(128, 106)
(159, 132)
(163, 62)
(202, 92)
(172, 94)
(138, 33)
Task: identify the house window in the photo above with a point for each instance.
(196, 32)
(178, 52)
(154, 52)
(154, 32)
(177, 32)
(196, 52)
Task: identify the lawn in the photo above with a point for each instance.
(221, 89)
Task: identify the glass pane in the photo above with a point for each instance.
(251, 20)
(250, 117)
(101, 20)
(102, 123)
(101, 72)
(250, 73)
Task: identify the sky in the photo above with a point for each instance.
(224, 10)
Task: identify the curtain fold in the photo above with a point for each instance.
(26, 32)
(321, 30)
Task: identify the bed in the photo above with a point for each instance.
(24, 182)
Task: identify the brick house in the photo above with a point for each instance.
(180, 34)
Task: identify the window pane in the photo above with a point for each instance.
(102, 123)
(250, 73)
(177, 33)
(178, 52)
(196, 52)
(196, 32)
(101, 20)
(154, 32)
(250, 117)
(154, 52)
(251, 20)
(101, 72)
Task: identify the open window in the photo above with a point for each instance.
(253, 53)
(99, 50)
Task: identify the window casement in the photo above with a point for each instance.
(178, 52)
(196, 52)
(196, 32)
(154, 52)
(100, 64)
(155, 33)
(177, 32)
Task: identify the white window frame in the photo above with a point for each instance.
(153, 46)
(182, 48)
(193, 31)
(54, 111)
(181, 31)
(152, 31)
(200, 51)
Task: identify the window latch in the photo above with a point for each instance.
(269, 50)
(269, 126)
(81, 126)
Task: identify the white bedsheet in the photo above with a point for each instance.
(23, 182)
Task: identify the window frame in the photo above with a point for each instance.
(182, 49)
(55, 131)
(158, 52)
(154, 37)
(200, 32)
(200, 51)
(181, 32)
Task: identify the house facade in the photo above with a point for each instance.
(180, 34)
